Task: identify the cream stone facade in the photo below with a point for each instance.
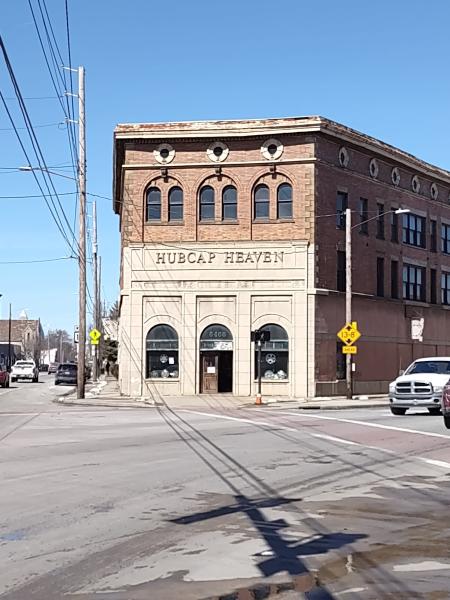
(240, 286)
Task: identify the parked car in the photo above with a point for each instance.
(25, 369)
(52, 367)
(4, 376)
(43, 368)
(66, 373)
(420, 386)
(445, 404)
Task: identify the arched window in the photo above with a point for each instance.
(207, 203)
(162, 352)
(261, 202)
(153, 204)
(229, 203)
(216, 337)
(284, 201)
(176, 204)
(274, 354)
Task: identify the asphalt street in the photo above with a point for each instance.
(163, 503)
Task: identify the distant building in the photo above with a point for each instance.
(230, 226)
(26, 337)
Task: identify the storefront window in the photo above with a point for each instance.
(216, 337)
(274, 354)
(162, 352)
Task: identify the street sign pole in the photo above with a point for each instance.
(259, 395)
(348, 294)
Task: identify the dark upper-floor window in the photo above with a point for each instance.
(445, 238)
(380, 276)
(433, 286)
(176, 204)
(380, 221)
(284, 201)
(153, 204)
(433, 236)
(414, 283)
(340, 271)
(394, 278)
(261, 202)
(394, 226)
(341, 207)
(207, 206)
(229, 203)
(445, 288)
(363, 215)
(414, 230)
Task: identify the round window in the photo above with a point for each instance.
(344, 157)
(415, 184)
(217, 151)
(373, 168)
(434, 191)
(164, 154)
(395, 176)
(272, 149)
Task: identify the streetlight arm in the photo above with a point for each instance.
(398, 211)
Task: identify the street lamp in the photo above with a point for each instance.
(348, 279)
(30, 168)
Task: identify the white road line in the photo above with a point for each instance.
(366, 424)
(429, 461)
(323, 436)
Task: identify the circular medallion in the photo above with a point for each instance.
(163, 358)
(164, 154)
(271, 359)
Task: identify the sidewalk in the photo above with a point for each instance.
(106, 393)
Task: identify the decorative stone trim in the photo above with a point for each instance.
(373, 168)
(434, 191)
(415, 184)
(217, 152)
(164, 154)
(344, 157)
(395, 176)
(272, 149)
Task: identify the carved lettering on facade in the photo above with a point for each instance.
(231, 257)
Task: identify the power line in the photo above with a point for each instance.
(36, 126)
(28, 262)
(36, 148)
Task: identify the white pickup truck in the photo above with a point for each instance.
(25, 369)
(420, 386)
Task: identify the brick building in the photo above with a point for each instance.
(26, 338)
(228, 226)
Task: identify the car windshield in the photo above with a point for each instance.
(24, 363)
(441, 367)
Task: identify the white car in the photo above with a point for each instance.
(25, 369)
(420, 386)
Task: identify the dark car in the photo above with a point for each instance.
(43, 368)
(445, 404)
(4, 376)
(66, 373)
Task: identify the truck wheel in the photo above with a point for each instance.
(435, 410)
(396, 410)
(447, 421)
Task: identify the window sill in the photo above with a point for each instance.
(272, 221)
(229, 222)
(274, 380)
(414, 246)
(165, 223)
(366, 233)
(153, 379)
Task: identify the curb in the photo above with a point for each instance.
(93, 402)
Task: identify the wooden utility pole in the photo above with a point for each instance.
(96, 287)
(9, 338)
(81, 237)
(348, 293)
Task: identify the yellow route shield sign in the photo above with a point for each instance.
(349, 349)
(349, 334)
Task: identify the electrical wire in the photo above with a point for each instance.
(28, 262)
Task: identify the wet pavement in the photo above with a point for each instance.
(219, 504)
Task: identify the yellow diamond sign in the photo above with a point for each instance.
(95, 336)
(349, 334)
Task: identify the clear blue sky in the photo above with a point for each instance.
(379, 67)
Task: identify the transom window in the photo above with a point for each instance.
(207, 202)
(162, 352)
(274, 354)
(176, 204)
(284, 201)
(445, 238)
(229, 203)
(261, 202)
(414, 283)
(153, 204)
(414, 230)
